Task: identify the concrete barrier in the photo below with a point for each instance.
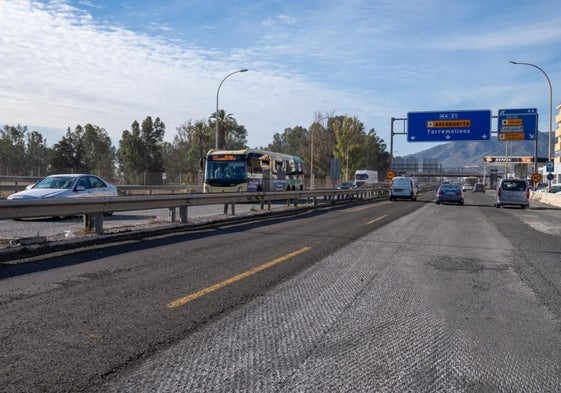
(545, 197)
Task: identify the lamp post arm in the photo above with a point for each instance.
(217, 94)
(549, 155)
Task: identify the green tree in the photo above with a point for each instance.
(292, 141)
(236, 138)
(98, 151)
(152, 135)
(87, 149)
(226, 122)
(130, 155)
(349, 134)
(191, 142)
(324, 140)
(12, 149)
(37, 155)
(68, 154)
(140, 154)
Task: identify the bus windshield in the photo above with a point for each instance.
(222, 171)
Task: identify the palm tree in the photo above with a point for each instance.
(198, 130)
(225, 122)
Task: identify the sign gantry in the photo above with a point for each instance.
(449, 126)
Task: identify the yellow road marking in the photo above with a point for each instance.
(376, 219)
(181, 301)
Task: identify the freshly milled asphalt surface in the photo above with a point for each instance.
(434, 302)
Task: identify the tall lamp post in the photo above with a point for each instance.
(550, 114)
(313, 127)
(218, 143)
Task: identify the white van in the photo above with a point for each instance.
(513, 192)
(404, 188)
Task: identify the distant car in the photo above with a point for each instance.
(555, 188)
(403, 187)
(449, 193)
(479, 187)
(513, 192)
(67, 186)
(467, 187)
(347, 185)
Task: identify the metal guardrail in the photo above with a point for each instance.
(94, 208)
(13, 184)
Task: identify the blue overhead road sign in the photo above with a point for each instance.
(449, 126)
(517, 124)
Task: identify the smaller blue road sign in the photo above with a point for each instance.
(517, 124)
(449, 126)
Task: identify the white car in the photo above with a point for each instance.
(67, 186)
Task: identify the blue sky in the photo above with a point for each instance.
(111, 62)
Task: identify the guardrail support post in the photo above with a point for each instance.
(233, 208)
(171, 214)
(183, 214)
(88, 222)
(94, 221)
(98, 223)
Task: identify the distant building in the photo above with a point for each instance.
(405, 164)
(430, 165)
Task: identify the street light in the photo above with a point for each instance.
(218, 144)
(316, 122)
(550, 115)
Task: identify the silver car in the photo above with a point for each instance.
(67, 186)
(513, 192)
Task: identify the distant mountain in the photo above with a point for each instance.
(468, 153)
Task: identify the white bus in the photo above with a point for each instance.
(252, 170)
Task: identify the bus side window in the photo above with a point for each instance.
(255, 165)
(278, 166)
(266, 164)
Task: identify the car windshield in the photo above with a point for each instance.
(57, 182)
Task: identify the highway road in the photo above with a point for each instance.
(384, 296)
